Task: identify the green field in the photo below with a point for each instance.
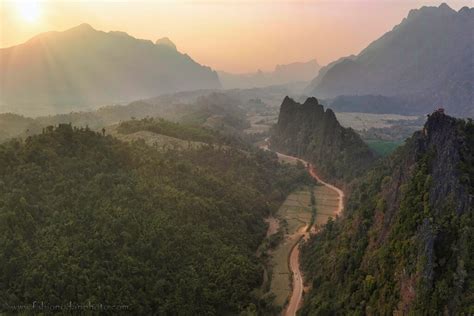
(327, 201)
(159, 141)
(296, 211)
(383, 147)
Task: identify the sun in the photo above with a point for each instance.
(29, 10)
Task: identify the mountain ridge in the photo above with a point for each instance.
(281, 74)
(426, 58)
(81, 68)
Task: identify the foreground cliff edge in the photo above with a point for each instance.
(405, 242)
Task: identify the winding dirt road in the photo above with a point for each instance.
(340, 193)
(298, 286)
(294, 259)
(297, 282)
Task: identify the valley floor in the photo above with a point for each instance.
(296, 214)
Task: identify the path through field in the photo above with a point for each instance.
(297, 278)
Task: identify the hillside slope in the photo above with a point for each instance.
(89, 219)
(82, 67)
(405, 243)
(427, 58)
(314, 134)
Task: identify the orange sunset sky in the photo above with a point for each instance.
(235, 36)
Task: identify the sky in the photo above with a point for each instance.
(229, 35)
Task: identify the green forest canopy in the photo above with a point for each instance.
(88, 218)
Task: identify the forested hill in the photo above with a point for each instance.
(87, 218)
(308, 131)
(405, 245)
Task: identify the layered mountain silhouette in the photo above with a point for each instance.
(282, 74)
(425, 61)
(83, 67)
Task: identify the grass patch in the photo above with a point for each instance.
(327, 202)
(383, 147)
(161, 142)
(186, 132)
(296, 212)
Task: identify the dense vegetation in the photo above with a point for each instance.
(405, 244)
(87, 218)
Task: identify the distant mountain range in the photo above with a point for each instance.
(82, 67)
(283, 74)
(426, 61)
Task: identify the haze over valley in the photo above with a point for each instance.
(237, 158)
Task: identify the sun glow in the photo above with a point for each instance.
(29, 10)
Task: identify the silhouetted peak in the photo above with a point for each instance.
(442, 10)
(311, 101)
(438, 118)
(82, 27)
(444, 6)
(288, 100)
(309, 63)
(465, 10)
(120, 33)
(165, 41)
(330, 115)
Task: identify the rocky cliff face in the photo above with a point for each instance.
(405, 244)
(309, 131)
(446, 140)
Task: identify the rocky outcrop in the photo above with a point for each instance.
(165, 41)
(405, 243)
(444, 138)
(311, 132)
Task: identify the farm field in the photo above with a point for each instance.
(392, 128)
(361, 121)
(327, 201)
(260, 123)
(296, 211)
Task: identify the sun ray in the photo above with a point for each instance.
(29, 11)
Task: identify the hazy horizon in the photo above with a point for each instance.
(268, 33)
(158, 173)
